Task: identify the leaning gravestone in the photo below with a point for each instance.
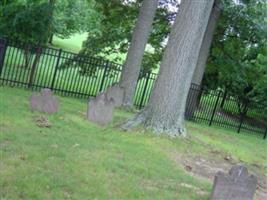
(237, 185)
(116, 92)
(44, 102)
(100, 110)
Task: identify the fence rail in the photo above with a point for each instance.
(66, 73)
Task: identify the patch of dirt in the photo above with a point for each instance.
(166, 184)
(197, 190)
(206, 168)
(4, 128)
(82, 114)
(42, 121)
(5, 143)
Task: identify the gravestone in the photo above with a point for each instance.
(236, 185)
(44, 102)
(116, 92)
(100, 110)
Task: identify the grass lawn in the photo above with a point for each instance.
(73, 44)
(75, 159)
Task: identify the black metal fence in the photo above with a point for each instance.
(66, 73)
(213, 108)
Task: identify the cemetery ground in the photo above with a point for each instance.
(64, 156)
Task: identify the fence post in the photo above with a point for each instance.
(56, 69)
(215, 107)
(242, 119)
(144, 91)
(265, 134)
(104, 76)
(3, 46)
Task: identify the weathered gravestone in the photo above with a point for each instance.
(100, 110)
(116, 92)
(44, 102)
(236, 185)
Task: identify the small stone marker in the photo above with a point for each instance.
(100, 110)
(237, 185)
(44, 102)
(116, 92)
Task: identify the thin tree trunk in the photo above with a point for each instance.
(202, 59)
(50, 40)
(166, 107)
(38, 54)
(50, 25)
(27, 56)
(206, 43)
(225, 93)
(135, 54)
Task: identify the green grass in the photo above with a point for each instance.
(75, 159)
(73, 44)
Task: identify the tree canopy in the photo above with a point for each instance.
(35, 21)
(22, 20)
(237, 62)
(116, 29)
(72, 17)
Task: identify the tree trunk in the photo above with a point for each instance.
(38, 54)
(192, 100)
(131, 69)
(202, 60)
(27, 56)
(166, 107)
(50, 40)
(206, 43)
(225, 93)
(50, 25)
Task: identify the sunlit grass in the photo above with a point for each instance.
(73, 44)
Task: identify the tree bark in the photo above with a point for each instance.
(132, 66)
(206, 43)
(195, 95)
(166, 107)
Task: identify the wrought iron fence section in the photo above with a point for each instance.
(69, 74)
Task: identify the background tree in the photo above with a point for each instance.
(239, 41)
(23, 21)
(132, 66)
(206, 44)
(195, 94)
(71, 17)
(114, 36)
(166, 107)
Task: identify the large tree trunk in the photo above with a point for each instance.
(166, 107)
(131, 69)
(194, 97)
(206, 43)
